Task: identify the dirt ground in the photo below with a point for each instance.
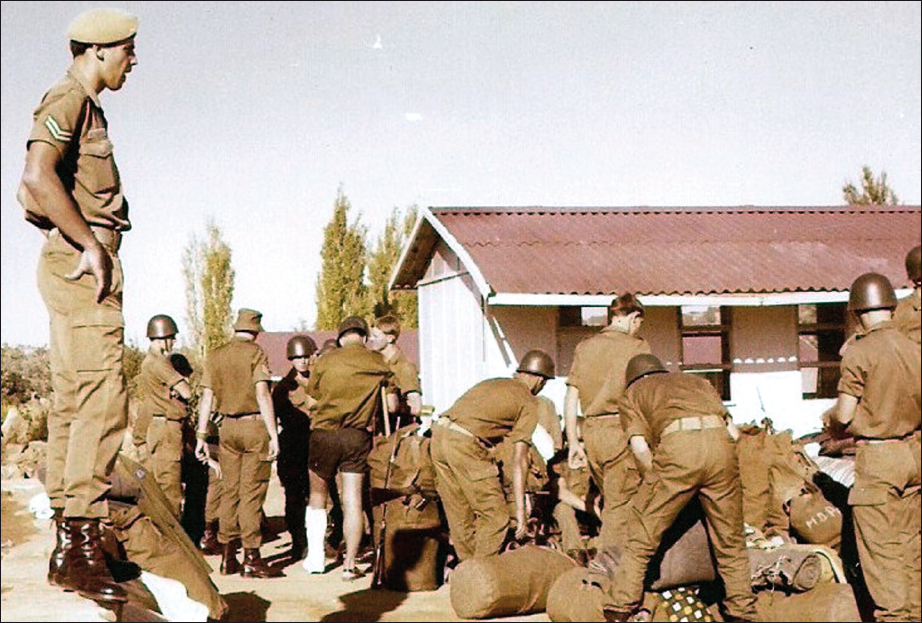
(298, 596)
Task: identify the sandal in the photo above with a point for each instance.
(352, 574)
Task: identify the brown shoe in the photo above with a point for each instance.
(229, 563)
(85, 570)
(209, 544)
(255, 567)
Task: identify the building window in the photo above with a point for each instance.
(821, 332)
(575, 316)
(705, 334)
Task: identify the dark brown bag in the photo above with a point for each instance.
(413, 543)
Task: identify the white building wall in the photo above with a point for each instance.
(451, 342)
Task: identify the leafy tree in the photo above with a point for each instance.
(341, 287)
(209, 279)
(383, 259)
(874, 191)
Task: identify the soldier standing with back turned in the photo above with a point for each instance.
(236, 385)
(71, 190)
(594, 388)
(880, 405)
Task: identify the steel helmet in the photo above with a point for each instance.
(914, 264)
(537, 362)
(871, 291)
(161, 326)
(301, 346)
(640, 366)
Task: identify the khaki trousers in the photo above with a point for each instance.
(164, 442)
(614, 470)
(86, 342)
(468, 483)
(245, 479)
(886, 512)
(689, 463)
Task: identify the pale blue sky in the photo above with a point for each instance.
(255, 113)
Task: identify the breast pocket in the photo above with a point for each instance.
(96, 165)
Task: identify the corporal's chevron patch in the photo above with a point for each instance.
(56, 132)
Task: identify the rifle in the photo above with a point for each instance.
(377, 576)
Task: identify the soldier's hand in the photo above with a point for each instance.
(95, 261)
(273, 449)
(201, 451)
(576, 456)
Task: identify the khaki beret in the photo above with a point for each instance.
(353, 323)
(102, 27)
(248, 320)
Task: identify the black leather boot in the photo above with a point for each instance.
(229, 563)
(57, 564)
(209, 544)
(254, 566)
(86, 571)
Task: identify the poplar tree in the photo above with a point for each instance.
(341, 288)
(209, 276)
(383, 259)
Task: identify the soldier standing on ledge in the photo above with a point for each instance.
(71, 190)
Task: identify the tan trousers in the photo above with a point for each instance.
(886, 512)
(245, 480)
(469, 485)
(614, 470)
(689, 463)
(86, 342)
(164, 442)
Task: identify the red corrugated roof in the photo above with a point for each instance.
(675, 250)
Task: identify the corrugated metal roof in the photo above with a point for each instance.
(673, 251)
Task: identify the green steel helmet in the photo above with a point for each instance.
(914, 264)
(871, 291)
(161, 326)
(640, 366)
(301, 346)
(537, 362)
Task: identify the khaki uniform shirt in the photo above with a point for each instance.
(158, 377)
(232, 372)
(907, 317)
(347, 382)
(883, 370)
(653, 402)
(598, 368)
(71, 119)
(497, 409)
(406, 376)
